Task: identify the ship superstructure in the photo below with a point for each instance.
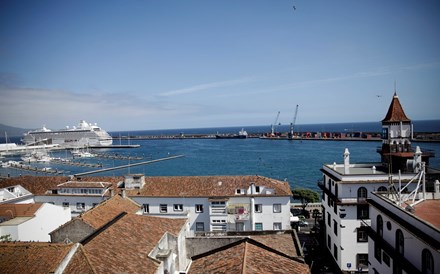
(84, 134)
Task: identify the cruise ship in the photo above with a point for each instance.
(84, 134)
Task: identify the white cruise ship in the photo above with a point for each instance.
(84, 134)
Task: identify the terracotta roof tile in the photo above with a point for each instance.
(39, 185)
(123, 247)
(22, 257)
(429, 211)
(395, 112)
(107, 210)
(205, 186)
(246, 256)
(11, 211)
(79, 263)
(281, 242)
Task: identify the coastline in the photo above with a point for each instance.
(365, 137)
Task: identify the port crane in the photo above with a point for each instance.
(273, 127)
(292, 125)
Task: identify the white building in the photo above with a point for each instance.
(31, 222)
(15, 195)
(216, 203)
(404, 235)
(346, 188)
(78, 196)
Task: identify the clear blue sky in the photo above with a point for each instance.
(131, 65)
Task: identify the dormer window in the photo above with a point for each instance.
(257, 189)
(239, 191)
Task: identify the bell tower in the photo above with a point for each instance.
(397, 134)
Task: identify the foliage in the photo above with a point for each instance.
(6, 238)
(305, 196)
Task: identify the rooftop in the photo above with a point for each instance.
(206, 186)
(107, 210)
(429, 211)
(36, 257)
(11, 211)
(39, 185)
(123, 247)
(395, 112)
(246, 256)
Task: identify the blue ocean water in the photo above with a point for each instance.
(419, 126)
(297, 162)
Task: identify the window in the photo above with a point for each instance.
(362, 235)
(258, 226)
(379, 225)
(362, 260)
(400, 245)
(335, 227)
(95, 204)
(146, 208)
(335, 252)
(258, 208)
(329, 241)
(363, 212)
(377, 252)
(199, 208)
(335, 208)
(329, 220)
(200, 226)
(277, 226)
(276, 208)
(163, 208)
(178, 207)
(239, 191)
(257, 189)
(386, 258)
(239, 226)
(382, 189)
(65, 204)
(80, 206)
(427, 262)
(362, 194)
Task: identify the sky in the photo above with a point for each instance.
(140, 65)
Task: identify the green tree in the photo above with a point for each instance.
(5, 238)
(306, 196)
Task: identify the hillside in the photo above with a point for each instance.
(11, 131)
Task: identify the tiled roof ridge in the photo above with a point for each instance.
(81, 247)
(85, 214)
(244, 264)
(102, 228)
(247, 240)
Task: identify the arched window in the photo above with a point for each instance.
(382, 189)
(379, 225)
(427, 262)
(400, 245)
(362, 193)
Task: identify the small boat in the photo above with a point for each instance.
(242, 134)
(78, 153)
(36, 156)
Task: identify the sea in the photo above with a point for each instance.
(296, 161)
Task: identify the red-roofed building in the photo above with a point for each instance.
(31, 222)
(217, 203)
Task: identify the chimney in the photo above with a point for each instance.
(346, 161)
(437, 186)
(123, 194)
(112, 192)
(417, 159)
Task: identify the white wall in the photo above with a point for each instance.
(47, 218)
(58, 200)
